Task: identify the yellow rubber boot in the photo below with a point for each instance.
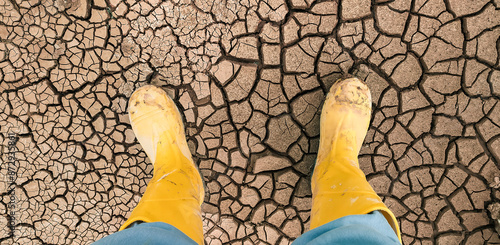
(339, 187)
(175, 193)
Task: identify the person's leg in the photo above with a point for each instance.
(362, 229)
(175, 193)
(339, 187)
(156, 233)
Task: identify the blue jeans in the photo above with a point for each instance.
(370, 228)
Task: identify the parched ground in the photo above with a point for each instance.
(249, 77)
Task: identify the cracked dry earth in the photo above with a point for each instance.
(249, 77)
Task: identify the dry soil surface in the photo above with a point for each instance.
(249, 77)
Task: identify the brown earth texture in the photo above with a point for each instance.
(249, 77)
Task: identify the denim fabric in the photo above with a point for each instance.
(155, 233)
(370, 228)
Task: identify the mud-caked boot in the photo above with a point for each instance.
(338, 185)
(175, 193)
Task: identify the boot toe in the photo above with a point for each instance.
(350, 91)
(148, 96)
(154, 115)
